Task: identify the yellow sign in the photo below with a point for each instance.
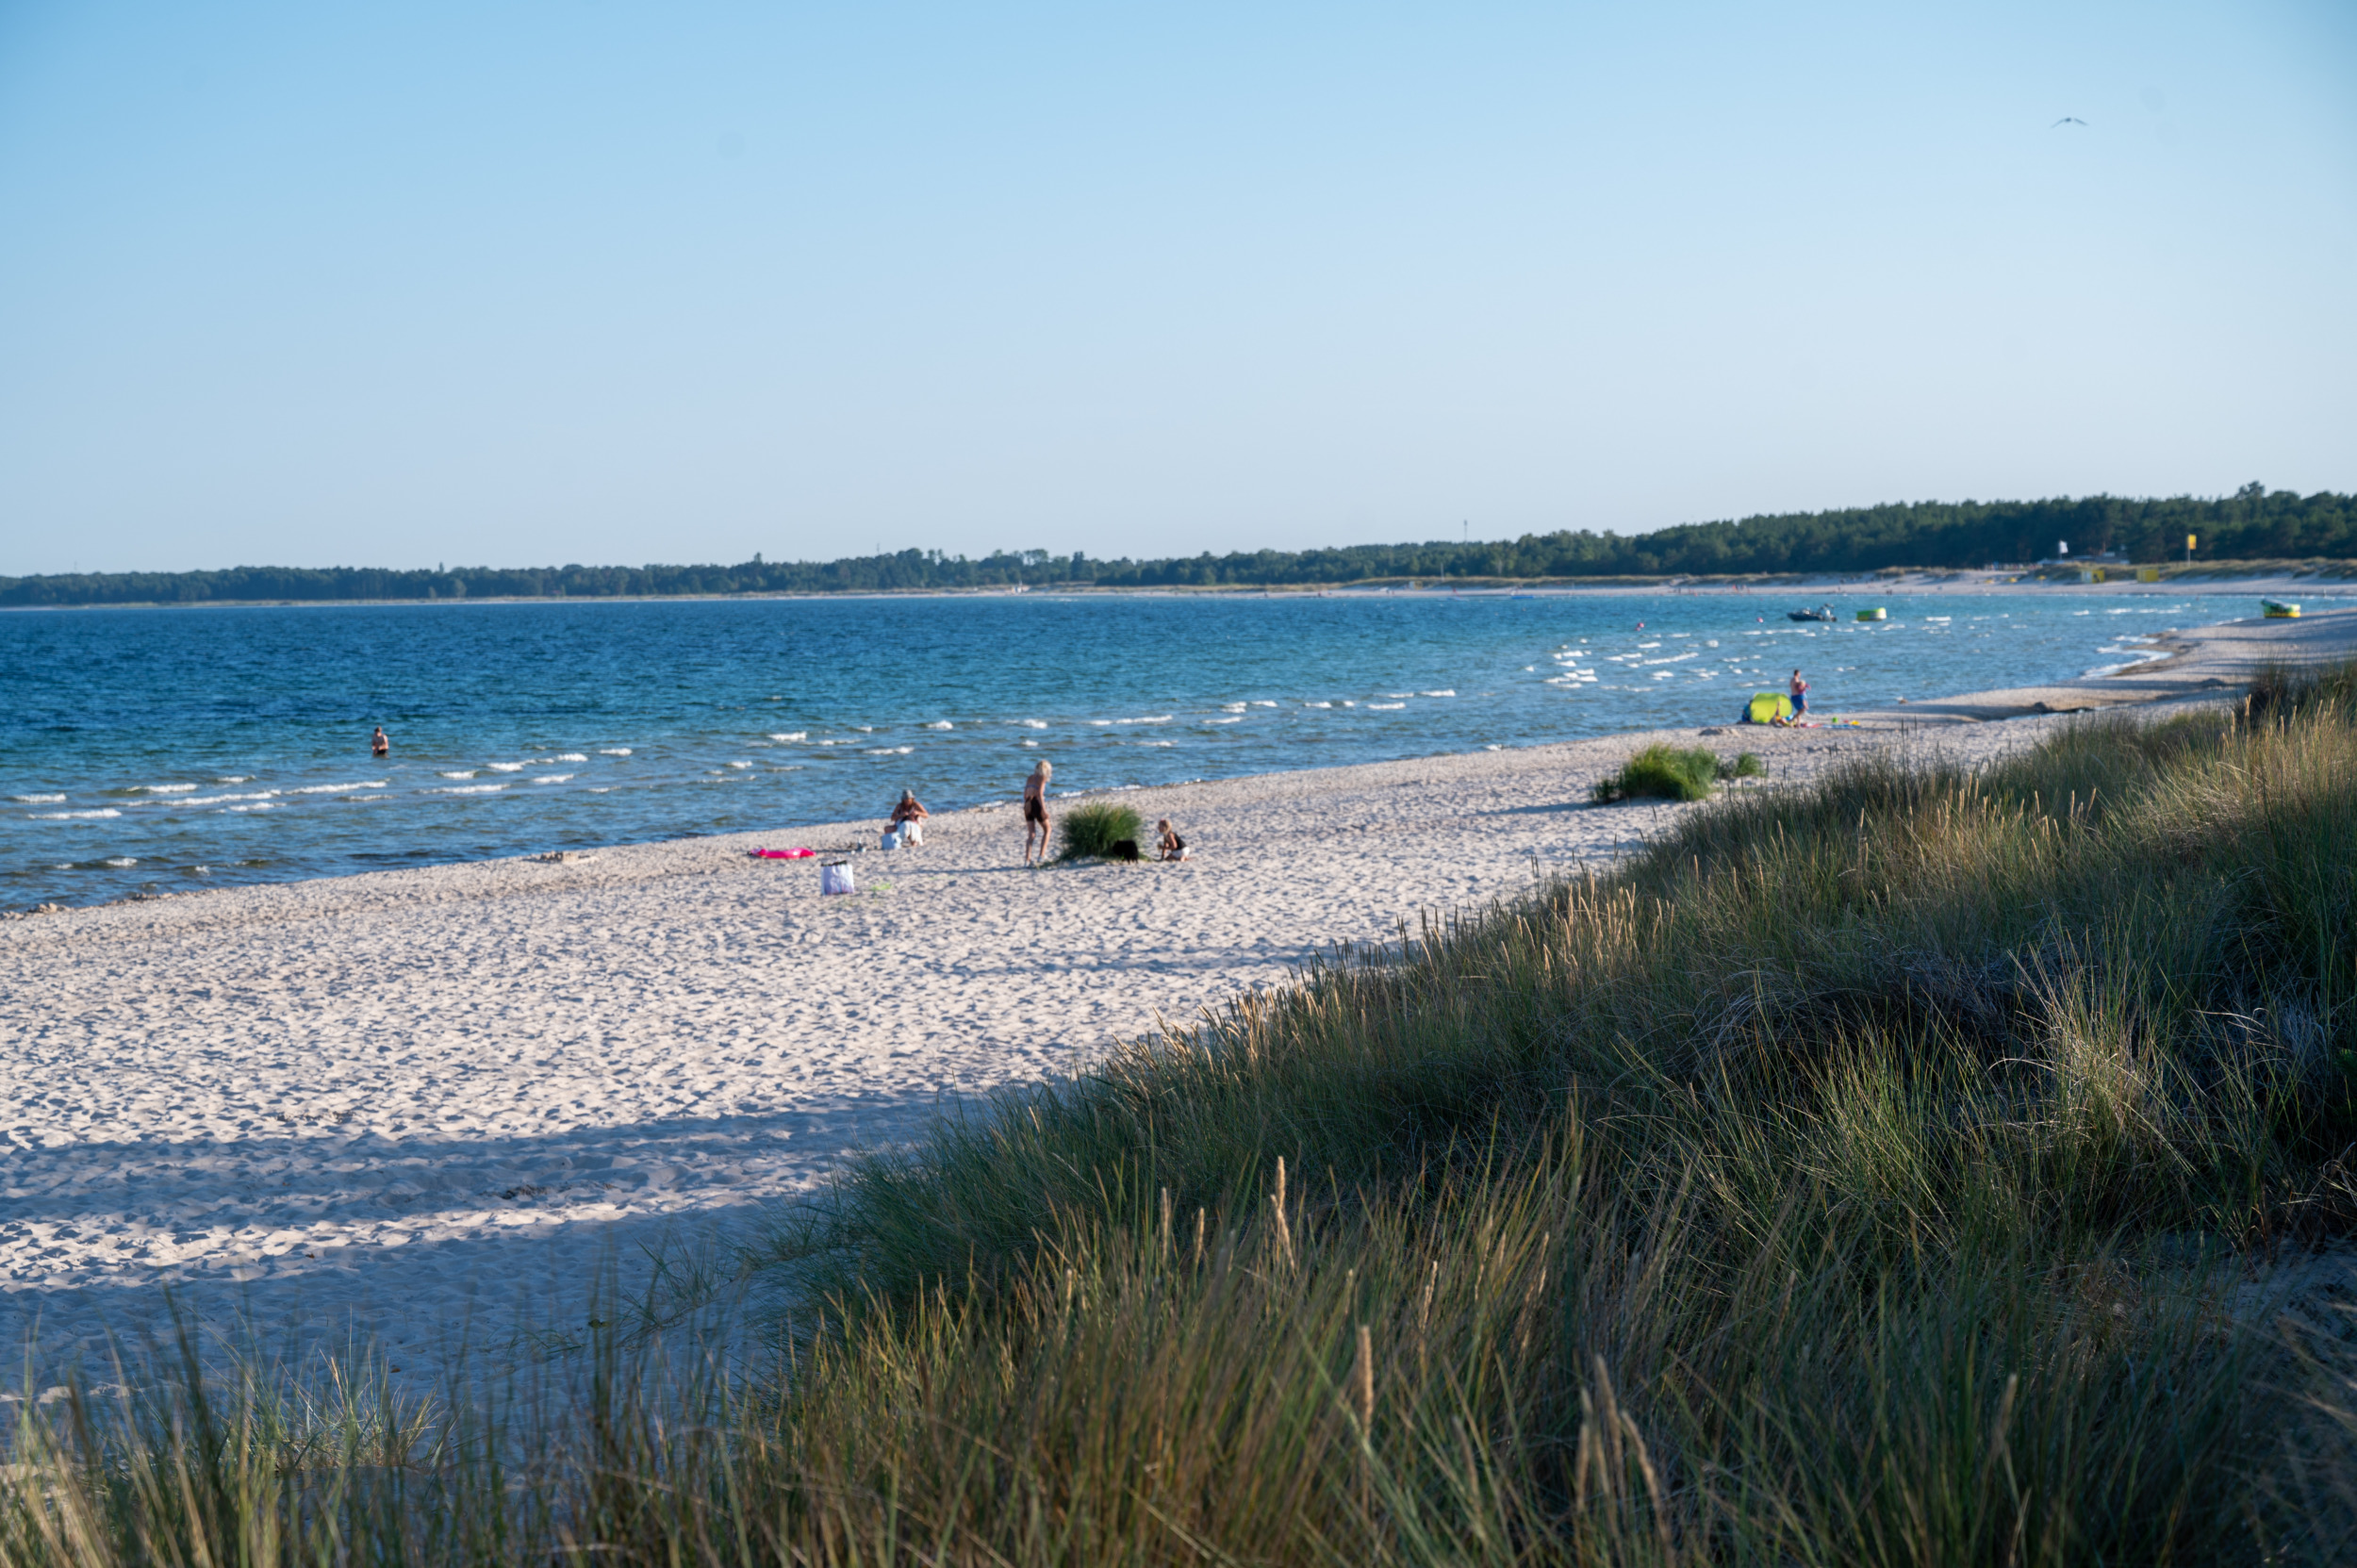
(2189, 542)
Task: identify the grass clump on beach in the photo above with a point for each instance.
(1091, 829)
(1666, 773)
(1923, 1167)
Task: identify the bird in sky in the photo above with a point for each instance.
(2067, 120)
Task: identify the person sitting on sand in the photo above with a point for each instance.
(1171, 845)
(380, 744)
(908, 818)
(1035, 809)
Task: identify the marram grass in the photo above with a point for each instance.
(1091, 829)
(1918, 1168)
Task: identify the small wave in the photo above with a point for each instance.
(1385, 707)
(508, 767)
(1222, 722)
(569, 756)
(624, 750)
(552, 778)
(216, 799)
(338, 789)
(471, 789)
(235, 778)
(1030, 743)
(864, 729)
(1033, 724)
(35, 800)
(98, 816)
(1450, 693)
(119, 862)
(740, 765)
(1399, 694)
(1233, 707)
(1158, 743)
(941, 724)
(258, 805)
(1317, 704)
(601, 789)
(461, 774)
(1258, 704)
(890, 751)
(790, 734)
(164, 789)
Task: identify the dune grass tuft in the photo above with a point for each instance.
(1091, 829)
(1666, 773)
(1923, 1167)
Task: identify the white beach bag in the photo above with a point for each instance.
(912, 835)
(834, 876)
(891, 839)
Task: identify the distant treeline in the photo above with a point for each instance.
(2252, 524)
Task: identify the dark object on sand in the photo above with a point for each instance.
(1122, 849)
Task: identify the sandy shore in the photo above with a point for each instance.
(426, 1106)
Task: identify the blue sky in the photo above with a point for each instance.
(588, 281)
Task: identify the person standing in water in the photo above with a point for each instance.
(1035, 809)
(1800, 695)
(380, 744)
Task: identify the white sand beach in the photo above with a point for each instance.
(425, 1106)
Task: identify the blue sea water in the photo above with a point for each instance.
(158, 750)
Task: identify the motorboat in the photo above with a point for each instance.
(2278, 609)
(1823, 612)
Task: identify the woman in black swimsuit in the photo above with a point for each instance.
(1035, 809)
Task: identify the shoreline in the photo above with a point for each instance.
(2227, 578)
(437, 1104)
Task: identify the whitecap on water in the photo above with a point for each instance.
(1317, 704)
(1233, 707)
(1436, 694)
(164, 789)
(335, 789)
(1258, 704)
(731, 764)
(461, 774)
(258, 805)
(1033, 723)
(890, 751)
(571, 756)
(790, 734)
(471, 789)
(1386, 707)
(37, 800)
(624, 750)
(552, 778)
(119, 862)
(941, 724)
(98, 816)
(507, 767)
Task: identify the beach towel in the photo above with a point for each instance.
(781, 854)
(1766, 707)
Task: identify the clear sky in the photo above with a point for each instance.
(333, 283)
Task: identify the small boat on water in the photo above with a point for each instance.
(2277, 609)
(1823, 612)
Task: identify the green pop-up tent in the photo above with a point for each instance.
(1767, 707)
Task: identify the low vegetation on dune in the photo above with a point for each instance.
(1922, 1167)
(1093, 830)
(1664, 772)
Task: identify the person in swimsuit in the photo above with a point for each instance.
(1800, 695)
(1035, 809)
(1172, 847)
(380, 744)
(908, 818)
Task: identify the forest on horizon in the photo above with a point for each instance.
(2253, 523)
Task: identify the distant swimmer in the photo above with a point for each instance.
(379, 744)
(1035, 809)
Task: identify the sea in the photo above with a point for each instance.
(148, 752)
